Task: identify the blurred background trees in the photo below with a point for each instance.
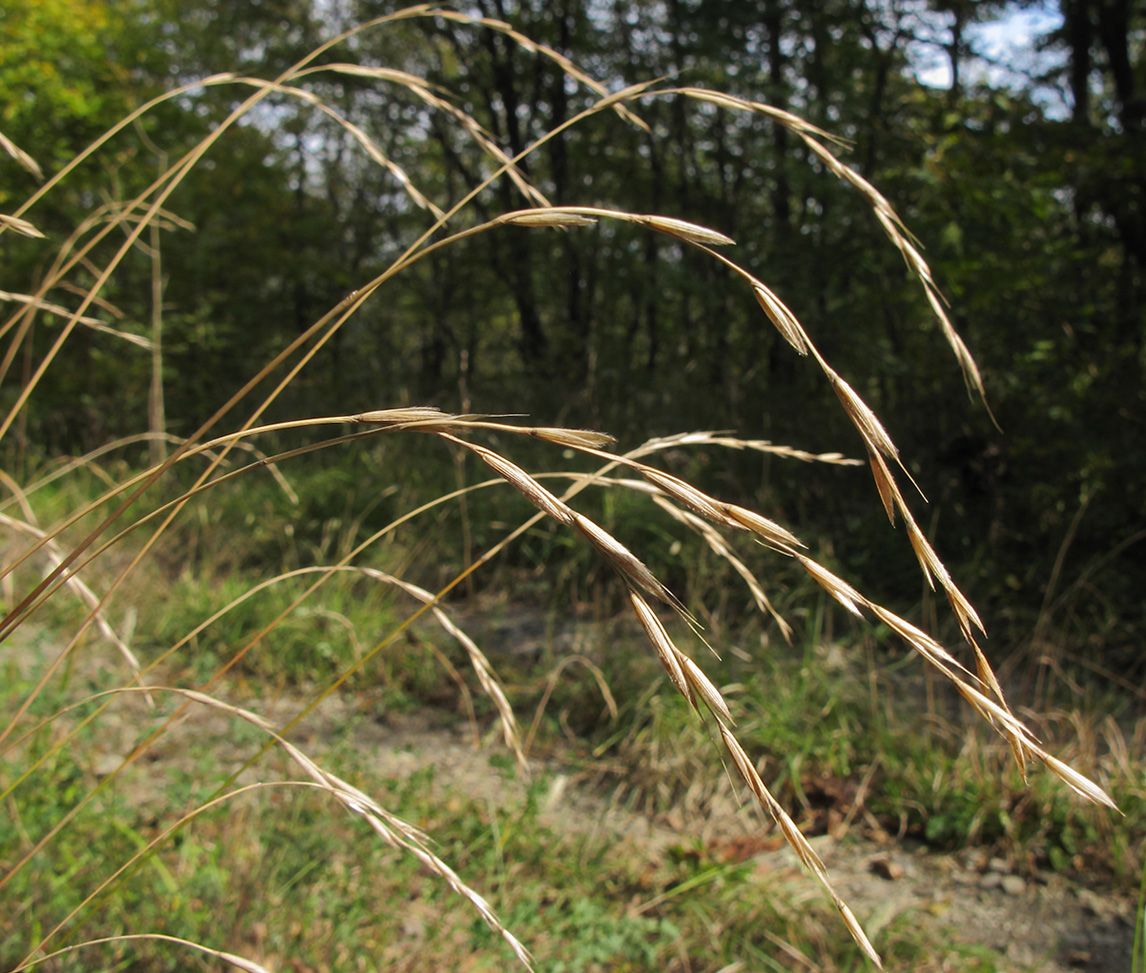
(1009, 136)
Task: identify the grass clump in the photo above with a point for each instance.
(256, 596)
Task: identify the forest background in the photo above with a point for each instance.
(1008, 136)
(1023, 176)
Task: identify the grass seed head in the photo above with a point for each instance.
(683, 230)
(667, 652)
(835, 586)
(784, 320)
(623, 559)
(685, 493)
(19, 225)
(767, 530)
(547, 217)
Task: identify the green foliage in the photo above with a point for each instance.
(68, 71)
(1015, 205)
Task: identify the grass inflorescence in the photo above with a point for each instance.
(268, 557)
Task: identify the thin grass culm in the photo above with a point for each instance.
(134, 606)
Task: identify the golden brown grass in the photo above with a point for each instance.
(90, 533)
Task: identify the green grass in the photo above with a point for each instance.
(281, 878)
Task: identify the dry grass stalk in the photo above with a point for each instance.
(147, 210)
(392, 829)
(478, 661)
(716, 542)
(240, 962)
(76, 584)
(94, 323)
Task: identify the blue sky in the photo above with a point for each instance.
(1004, 45)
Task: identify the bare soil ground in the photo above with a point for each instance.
(1051, 926)
(1054, 926)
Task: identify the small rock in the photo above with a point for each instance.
(1021, 954)
(998, 865)
(1013, 885)
(975, 861)
(556, 792)
(1091, 902)
(886, 867)
(992, 880)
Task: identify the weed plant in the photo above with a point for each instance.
(160, 563)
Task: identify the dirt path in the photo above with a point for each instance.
(1056, 927)
(1051, 927)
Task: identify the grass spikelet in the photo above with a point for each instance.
(835, 586)
(18, 225)
(630, 567)
(716, 542)
(666, 651)
(683, 230)
(704, 688)
(919, 640)
(874, 435)
(478, 661)
(767, 530)
(525, 484)
(784, 320)
(77, 585)
(966, 362)
(550, 217)
(933, 568)
(60, 311)
(1081, 785)
(573, 438)
(986, 673)
(20, 156)
(785, 118)
(422, 415)
(964, 612)
(889, 493)
(796, 840)
(685, 493)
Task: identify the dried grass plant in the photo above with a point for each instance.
(71, 547)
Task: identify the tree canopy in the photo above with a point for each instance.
(1028, 193)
